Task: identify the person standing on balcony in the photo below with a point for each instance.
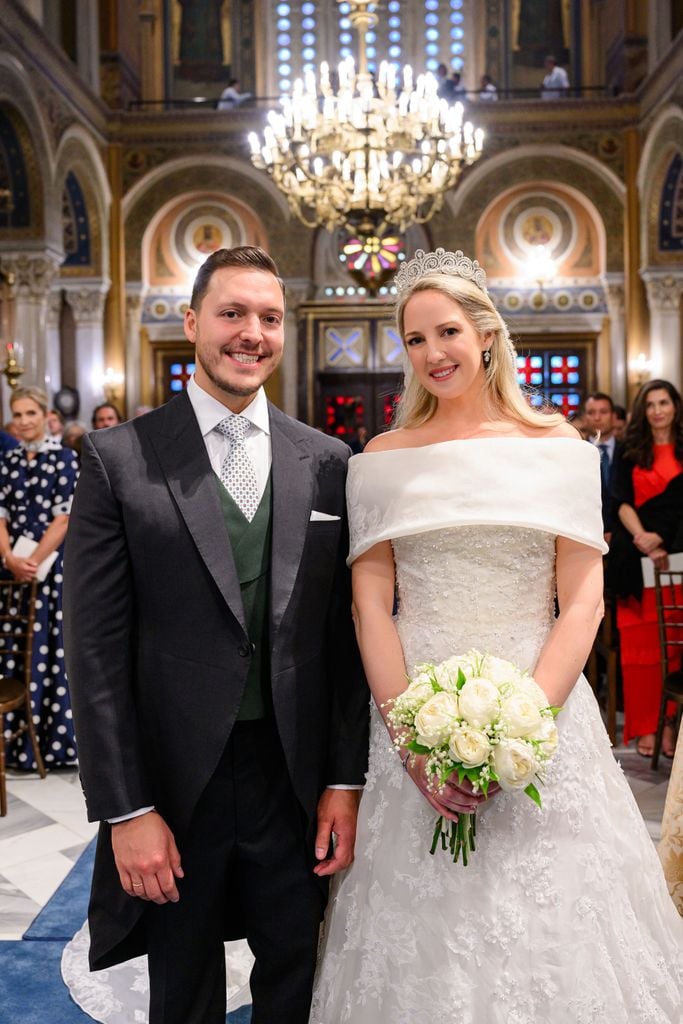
(555, 85)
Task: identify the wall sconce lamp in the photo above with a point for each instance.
(540, 268)
(13, 369)
(641, 368)
(112, 385)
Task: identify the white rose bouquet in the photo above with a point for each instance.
(481, 717)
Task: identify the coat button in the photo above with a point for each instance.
(244, 650)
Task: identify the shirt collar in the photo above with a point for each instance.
(209, 411)
(48, 444)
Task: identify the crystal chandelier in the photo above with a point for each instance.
(370, 154)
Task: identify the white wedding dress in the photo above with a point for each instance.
(562, 915)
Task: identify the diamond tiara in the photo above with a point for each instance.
(439, 262)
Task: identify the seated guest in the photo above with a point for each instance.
(73, 436)
(555, 85)
(37, 482)
(106, 415)
(231, 96)
(488, 90)
(599, 411)
(7, 442)
(55, 424)
(648, 497)
(620, 422)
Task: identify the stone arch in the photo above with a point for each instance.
(288, 241)
(565, 167)
(664, 144)
(78, 156)
(27, 120)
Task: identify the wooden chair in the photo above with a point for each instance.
(606, 646)
(669, 597)
(17, 614)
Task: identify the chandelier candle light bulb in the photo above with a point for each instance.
(402, 149)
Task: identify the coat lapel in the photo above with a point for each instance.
(185, 462)
(292, 504)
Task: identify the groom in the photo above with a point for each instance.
(217, 691)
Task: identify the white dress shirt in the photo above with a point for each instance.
(610, 444)
(209, 412)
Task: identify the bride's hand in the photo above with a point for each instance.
(448, 801)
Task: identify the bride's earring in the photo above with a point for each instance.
(486, 357)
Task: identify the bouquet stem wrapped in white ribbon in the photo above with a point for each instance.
(482, 718)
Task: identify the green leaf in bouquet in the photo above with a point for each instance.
(461, 680)
(417, 748)
(555, 710)
(533, 793)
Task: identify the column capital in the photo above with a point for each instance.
(32, 273)
(299, 289)
(615, 293)
(87, 302)
(664, 288)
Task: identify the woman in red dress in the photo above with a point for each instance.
(648, 496)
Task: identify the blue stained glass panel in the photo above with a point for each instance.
(176, 369)
(176, 385)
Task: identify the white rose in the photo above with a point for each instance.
(446, 677)
(435, 719)
(528, 685)
(471, 746)
(500, 671)
(514, 763)
(417, 694)
(479, 702)
(465, 662)
(547, 735)
(520, 714)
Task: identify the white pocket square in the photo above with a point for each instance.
(322, 517)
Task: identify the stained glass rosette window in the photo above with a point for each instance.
(372, 261)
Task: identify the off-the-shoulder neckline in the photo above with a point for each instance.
(470, 440)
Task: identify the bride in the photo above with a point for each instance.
(478, 512)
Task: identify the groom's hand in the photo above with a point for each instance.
(338, 813)
(147, 858)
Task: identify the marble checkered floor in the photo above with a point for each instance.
(41, 838)
(45, 831)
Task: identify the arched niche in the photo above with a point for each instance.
(660, 179)
(22, 216)
(565, 167)
(288, 242)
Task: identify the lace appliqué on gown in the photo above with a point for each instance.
(562, 914)
(120, 995)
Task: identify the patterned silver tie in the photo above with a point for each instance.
(237, 471)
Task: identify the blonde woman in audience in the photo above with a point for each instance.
(37, 482)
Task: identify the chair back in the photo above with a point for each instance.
(17, 618)
(669, 599)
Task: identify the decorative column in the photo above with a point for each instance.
(664, 290)
(87, 305)
(133, 356)
(53, 344)
(32, 276)
(616, 304)
(298, 290)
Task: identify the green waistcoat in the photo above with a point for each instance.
(251, 543)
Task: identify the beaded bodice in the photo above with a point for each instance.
(487, 587)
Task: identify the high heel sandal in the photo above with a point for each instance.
(669, 749)
(645, 745)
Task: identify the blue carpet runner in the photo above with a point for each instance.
(31, 986)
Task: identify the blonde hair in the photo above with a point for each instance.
(35, 394)
(417, 405)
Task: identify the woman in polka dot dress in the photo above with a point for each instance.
(37, 482)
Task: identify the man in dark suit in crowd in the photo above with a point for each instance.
(217, 690)
(599, 411)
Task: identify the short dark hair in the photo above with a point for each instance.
(620, 412)
(251, 257)
(601, 396)
(105, 405)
